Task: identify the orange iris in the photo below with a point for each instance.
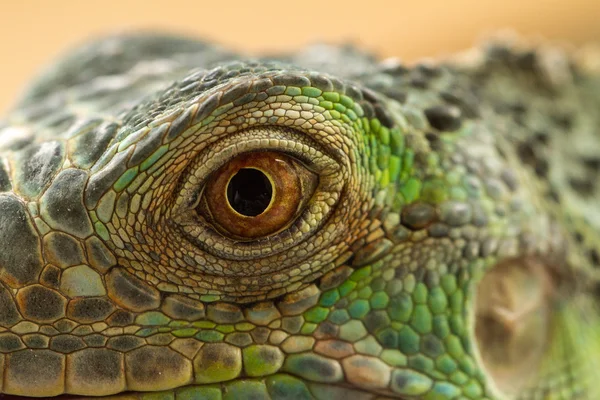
(258, 193)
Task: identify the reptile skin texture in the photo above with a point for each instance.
(178, 221)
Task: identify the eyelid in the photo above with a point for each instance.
(295, 144)
(200, 232)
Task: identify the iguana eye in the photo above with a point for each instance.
(257, 194)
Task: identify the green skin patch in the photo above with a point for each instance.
(116, 280)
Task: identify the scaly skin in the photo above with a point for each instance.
(449, 250)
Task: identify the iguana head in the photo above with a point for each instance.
(253, 229)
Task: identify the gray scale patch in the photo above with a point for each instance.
(125, 343)
(5, 184)
(321, 82)
(224, 313)
(10, 342)
(48, 330)
(418, 215)
(81, 126)
(82, 330)
(103, 180)
(65, 325)
(100, 257)
(180, 123)
(455, 213)
(354, 92)
(120, 318)
(20, 250)
(95, 340)
(258, 335)
(41, 304)
(180, 307)
(338, 85)
(276, 90)
(291, 80)
(63, 250)
(89, 310)
(131, 292)
(236, 91)
(245, 99)
(48, 368)
(35, 166)
(189, 88)
(372, 252)
(51, 276)
(36, 341)
(148, 144)
(207, 106)
(125, 131)
(260, 85)
(62, 205)
(66, 343)
(383, 115)
(368, 109)
(87, 148)
(9, 315)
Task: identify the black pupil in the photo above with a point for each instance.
(249, 192)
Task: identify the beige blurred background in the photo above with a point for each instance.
(33, 32)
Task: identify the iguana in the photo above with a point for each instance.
(178, 221)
